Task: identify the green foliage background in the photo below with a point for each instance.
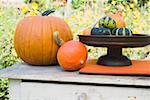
(137, 10)
(8, 20)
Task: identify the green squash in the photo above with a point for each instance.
(107, 22)
(100, 31)
(121, 32)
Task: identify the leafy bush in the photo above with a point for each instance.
(3, 89)
(8, 56)
(77, 3)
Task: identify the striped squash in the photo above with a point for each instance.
(121, 32)
(107, 22)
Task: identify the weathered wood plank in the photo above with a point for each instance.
(15, 89)
(48, 91)
(55, 73)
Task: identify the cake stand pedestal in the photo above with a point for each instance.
(114, 46)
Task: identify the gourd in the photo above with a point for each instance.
(100, 31)
(72, 55)
(107, 22)
(34, 40)
(119, 20)
(87, 31)
(121, 32)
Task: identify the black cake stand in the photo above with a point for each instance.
(114, 46)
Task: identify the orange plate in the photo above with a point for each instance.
(138, 67)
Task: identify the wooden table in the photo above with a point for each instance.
(52, 83)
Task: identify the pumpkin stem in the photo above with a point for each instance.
(58, 40)
(47, 12)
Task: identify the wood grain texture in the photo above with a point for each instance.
(15, 89)
(48, 91)
(55, 73)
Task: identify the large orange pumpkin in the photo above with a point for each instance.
(34, 41)
(119, 19)
(72, 55)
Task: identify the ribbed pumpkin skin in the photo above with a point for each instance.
(72, 55)
(34, 41)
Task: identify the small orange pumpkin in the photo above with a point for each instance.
(72, 55)
(119, 19)
(87, 31)
(34, 41)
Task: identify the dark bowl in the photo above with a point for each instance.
(136, 40)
